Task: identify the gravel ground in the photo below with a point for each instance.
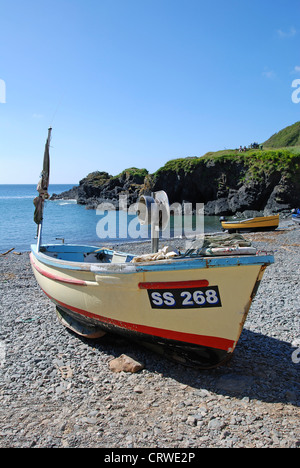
(57, 389)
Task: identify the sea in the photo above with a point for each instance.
(64, 219)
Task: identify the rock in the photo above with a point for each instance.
(126, 364)
(138, 389)
(102, 188)
(191, 421)
(216, 424)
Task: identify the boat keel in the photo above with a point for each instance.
(78, 327)
(187, 354)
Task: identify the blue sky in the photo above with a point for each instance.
(139, 82)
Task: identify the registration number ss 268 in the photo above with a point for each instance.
(188, 298)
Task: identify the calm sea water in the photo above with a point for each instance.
(64, 218)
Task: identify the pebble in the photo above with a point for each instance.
(57, 390)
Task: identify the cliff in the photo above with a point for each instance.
(225, 181)
(232, 182)
(100, 187)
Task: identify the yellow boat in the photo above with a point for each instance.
(193, 304)
(259, 223)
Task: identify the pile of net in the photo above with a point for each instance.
(208, 245)
(224, 244)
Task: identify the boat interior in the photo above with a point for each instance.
(85, 254)
(230, 244)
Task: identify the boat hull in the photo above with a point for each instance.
(263, 223)
(194, 307)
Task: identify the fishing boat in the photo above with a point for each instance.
(296, 216)
(259, 223)
(191, 304)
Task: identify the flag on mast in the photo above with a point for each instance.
(42, 188)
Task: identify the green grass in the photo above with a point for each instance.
(133, 172)
(181, 164)
(281, 153)
(96, 178)
(288, 136)
(257, 163)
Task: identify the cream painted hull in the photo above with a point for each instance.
(169, 302)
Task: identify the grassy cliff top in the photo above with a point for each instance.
(132, 172)
(287, 137)
(281, 152)
(99, 178)
(284, 160)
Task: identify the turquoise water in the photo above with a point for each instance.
(66, 219)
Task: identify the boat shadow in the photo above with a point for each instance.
(261, 368)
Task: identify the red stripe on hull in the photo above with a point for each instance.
(55, 277)
(174, 284)
(201, 340)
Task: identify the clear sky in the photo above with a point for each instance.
(139, 82)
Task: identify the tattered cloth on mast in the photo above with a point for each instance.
(42, 186)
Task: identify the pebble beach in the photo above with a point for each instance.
(58, 390)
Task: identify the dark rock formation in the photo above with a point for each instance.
(226, 183)
(101, 187)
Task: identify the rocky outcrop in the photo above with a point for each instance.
(230, 185)
(101, 187)
(226, 183)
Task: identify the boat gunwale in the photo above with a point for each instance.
(180, 263)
